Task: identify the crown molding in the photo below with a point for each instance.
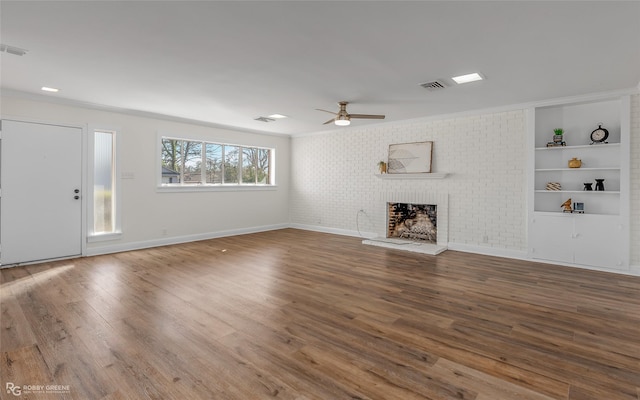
(136, 113)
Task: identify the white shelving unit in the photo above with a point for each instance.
(599, 161)
(599, 238)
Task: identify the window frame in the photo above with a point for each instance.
(203, 185)
(116, 233)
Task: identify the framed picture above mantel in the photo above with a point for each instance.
(410, 158)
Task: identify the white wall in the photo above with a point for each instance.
(333, 178)
(186, 215)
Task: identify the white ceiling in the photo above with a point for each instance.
(230, 62)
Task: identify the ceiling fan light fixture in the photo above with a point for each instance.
(342, 121)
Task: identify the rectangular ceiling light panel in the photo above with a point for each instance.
(467, 78)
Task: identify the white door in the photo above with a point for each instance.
(41, 207)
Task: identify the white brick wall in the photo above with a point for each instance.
(333, 176)
(635, 180)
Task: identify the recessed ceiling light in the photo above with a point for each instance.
(467, 78)
(50, 89)
(277, 116)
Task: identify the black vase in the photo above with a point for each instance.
(600, 185)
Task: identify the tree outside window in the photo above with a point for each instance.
(188, 162)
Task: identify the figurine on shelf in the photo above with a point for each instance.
(566, 206)
(600, 185)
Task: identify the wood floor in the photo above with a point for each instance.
(300, 315)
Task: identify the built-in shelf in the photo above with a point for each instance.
(577, 169)
(599, 237)
(429, 175)
(589, 192)
(582, 146)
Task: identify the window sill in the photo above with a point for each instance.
(103, 237)
(214, 188)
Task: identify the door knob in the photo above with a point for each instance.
(76, 191)
(76, 197)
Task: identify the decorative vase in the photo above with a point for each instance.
(588, 186)
(575, 163)
(600, 185)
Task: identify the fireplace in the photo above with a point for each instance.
(412, 221)
(416, 222)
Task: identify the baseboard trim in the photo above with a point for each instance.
(522, 255)
(633, 271)
(476, 249)
(335, 231)
(118, 248)
(488, 251)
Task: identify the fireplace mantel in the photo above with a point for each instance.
(426, 175)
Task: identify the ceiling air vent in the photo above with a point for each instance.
(5, 48)
(434, 85)
(264, 119)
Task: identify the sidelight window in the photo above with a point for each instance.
(103, 189)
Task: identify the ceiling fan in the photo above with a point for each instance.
(343, 118)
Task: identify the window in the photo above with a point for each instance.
(231, 164)
(188, 163)
(103, 189)
(213, 163)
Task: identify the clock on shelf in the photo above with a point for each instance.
(599, 135)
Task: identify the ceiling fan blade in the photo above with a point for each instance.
(330, 112)
(368, 116)
(329, 121)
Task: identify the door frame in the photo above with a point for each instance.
(83, 178)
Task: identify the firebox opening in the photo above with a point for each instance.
(416, 222)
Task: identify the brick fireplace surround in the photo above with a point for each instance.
(440, 200)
